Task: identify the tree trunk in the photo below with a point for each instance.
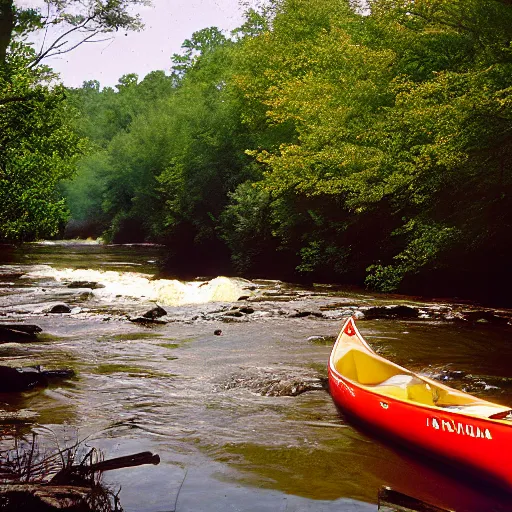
(6, 26)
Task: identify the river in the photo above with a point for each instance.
(242, 420)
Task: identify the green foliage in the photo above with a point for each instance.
(371, 147)
(245, 227)
(426, 243)
(402, 114)
(38, 143)
(37, 150)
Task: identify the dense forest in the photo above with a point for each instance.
(323, 140)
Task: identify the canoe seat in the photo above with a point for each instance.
(407, 387)
(396, 386)
(383, 377)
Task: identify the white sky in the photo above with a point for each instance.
(167, 24)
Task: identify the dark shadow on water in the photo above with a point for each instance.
(433, 481)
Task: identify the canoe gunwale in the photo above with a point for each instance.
(474, 443)
(333, 372)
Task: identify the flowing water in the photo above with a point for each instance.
(242, 420)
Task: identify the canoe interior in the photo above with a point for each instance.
(354, 360)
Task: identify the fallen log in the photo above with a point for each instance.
(67, 474)
(127, 461)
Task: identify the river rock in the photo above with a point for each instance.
(93, 285)
(483, 316)
(23, 379)
(374, 312)
(236, 313)
(60, 308)
(146, 321)
(18, 332)
(339, 305)
(302, 314)
(43, 498)
(274, 382)
(233, 319)
(155, 312)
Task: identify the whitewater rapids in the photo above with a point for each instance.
(169, 292)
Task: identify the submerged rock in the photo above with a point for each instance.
(483, 316)
(233, 319)
(234, 313)
(274, 382)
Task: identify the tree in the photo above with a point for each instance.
(38, 147)
(37, 150)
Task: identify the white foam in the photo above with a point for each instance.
(169, 292)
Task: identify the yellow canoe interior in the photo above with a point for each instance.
(354, 360)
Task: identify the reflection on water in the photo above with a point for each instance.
(169, 389)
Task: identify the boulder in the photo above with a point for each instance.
(23, 379)
(484, 316)
(18, 333)
(155, 312)
(60, 308)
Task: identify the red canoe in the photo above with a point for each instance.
(439, 420)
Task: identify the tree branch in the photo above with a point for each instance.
(61, 52)
(46, 53)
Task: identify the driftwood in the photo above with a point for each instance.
(18, 333)
(70, 473)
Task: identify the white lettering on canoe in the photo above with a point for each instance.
(447, 426)
(459, 428)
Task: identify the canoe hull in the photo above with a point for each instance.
(477, 444)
